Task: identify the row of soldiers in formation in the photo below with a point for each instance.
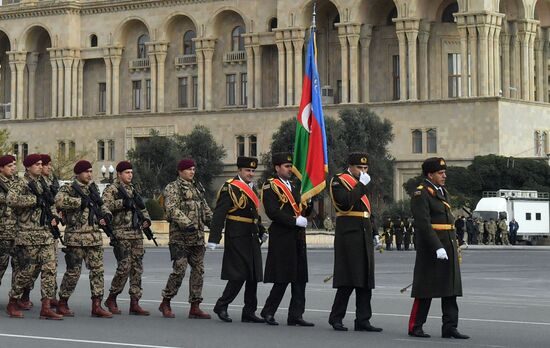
(487, 232)
(400, 230)
(32, 210)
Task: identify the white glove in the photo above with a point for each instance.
(441, 254)
(301, 221)
(377, 239)
(211, 246)
(264, 237)
(364, 178)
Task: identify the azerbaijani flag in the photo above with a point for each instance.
(310, 147)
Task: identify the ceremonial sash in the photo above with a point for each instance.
(352, 182)
(288, 194)
(248, 191)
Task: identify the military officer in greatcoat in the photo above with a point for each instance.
(437, 269)
(353, 244)
(237, 209)
(286, 258)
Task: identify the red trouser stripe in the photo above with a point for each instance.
(412, 319)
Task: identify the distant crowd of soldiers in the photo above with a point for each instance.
(475, 230)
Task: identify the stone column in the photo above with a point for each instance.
(281, 66)
(298, 36)
(116, 56)
(365, 55)
(32, 63)
(60, 84)
(412, 69)
(250, 77)
(491, 59)
(539, 48)
(505, 44)
(483, 29)
(545, 48)
(161, 49)
(20, 66)
(80, 88)
(496, 54)
(289, 72)
(516, 66)
(402, 64)
(353, 41)
(532, 61)
(68, 66)
(257, 76)
(524, 38)
(151, 54)
(200, 74)
(463, 32)
(13, 85)
(108, 83)
(53, 63)
(208, 51)
(74, 94)
(472, 48)
(344, 52)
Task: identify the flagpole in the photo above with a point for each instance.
(313, 28)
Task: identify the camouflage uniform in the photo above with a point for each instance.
(128, 248)
(83, 241)
(7, 232)
(491, 231)
(34, 242)
(503, 227)
(186, 209)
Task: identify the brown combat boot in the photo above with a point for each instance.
(98, 311)
(135, 308)
(25, 302)
(46, 311)
(166, 309)
(111, 304)
(196, 313)
(53, 302)
(13, 309)
(63, 308)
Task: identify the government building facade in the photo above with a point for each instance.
(456, 78)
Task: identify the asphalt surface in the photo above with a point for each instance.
(506, 304)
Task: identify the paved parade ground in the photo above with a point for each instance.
(506, 304)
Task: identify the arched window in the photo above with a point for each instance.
(141, 48)
(431, 139)
(93, 40)
(447, 16)
(273, 24)
(237, 41)
(417, 141)
(391, 16)
(188, 43)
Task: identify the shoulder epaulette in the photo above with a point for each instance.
(431, 190)
(420, 187)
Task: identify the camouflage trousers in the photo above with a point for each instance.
(182, 255)
(504, 238)
(34, 259)
(129, 255)
(7, 257)
(491, 238)
(37, 273)
(93, 258)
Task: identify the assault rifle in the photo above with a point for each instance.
(136, 205)
(44, 203)
(93, 202)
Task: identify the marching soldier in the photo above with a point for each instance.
(286, 258)
(188, 214)
(407, 233)
(437, 269)
(123, 201)
(34, 241)
(398, 227)
(491, 231)
(237, 208)
(388, 233)
(84, 212)
(7, 218)
(353, 244)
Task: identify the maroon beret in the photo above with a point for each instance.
(31, 159)
(123, 165)
(186, 164)
(82, 166)
(7, 159)
(45, 158)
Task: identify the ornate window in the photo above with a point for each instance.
(417, 141)
(237, 40)
(431, 139)
(101, 150)
(188, 43)
(141, 47)
(93, 40)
